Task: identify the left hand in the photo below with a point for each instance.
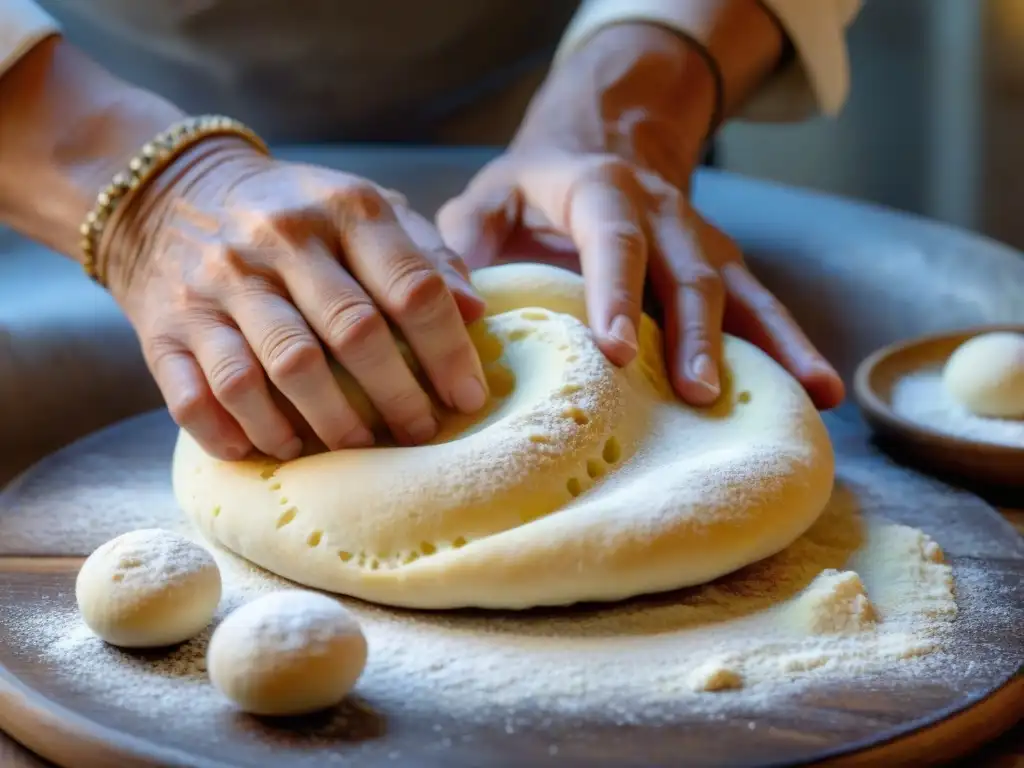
(624, 209)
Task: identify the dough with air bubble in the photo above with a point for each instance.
(580, 481)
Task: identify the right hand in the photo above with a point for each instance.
(236, 269)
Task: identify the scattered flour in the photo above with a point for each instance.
(856, 596)
(740, 651)
(922, 398)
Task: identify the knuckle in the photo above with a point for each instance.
(626, 237)
(232, 379)
(189, 408)
(625, 301)
(361, 199)
(352, 325)
(695, 330)
(223, 265)
(672, 199)
(415, 290)
(288, 353)
(405, 403)
(766, 304)
(187, 295)
(703, 279)
(274, 230)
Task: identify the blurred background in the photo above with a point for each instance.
(934, 124)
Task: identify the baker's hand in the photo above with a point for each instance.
(616, 192)
(242, 276)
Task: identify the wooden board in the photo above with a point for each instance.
(106, 484)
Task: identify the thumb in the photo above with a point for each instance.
(476, 225)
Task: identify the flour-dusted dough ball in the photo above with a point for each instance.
(147, 589)
(986, 375)
(287, 653)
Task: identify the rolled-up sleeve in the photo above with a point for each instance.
(23, 25)
(818, 80)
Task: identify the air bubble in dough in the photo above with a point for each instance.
(147, 589)
(986, 375)
(287, 653)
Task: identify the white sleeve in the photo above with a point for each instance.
(818, 80)
(23, 25)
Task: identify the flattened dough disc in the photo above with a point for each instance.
(581, 481)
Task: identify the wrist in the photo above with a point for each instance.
(184, 189)
(635, 90)
(68, 127)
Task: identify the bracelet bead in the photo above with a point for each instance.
(154, 156)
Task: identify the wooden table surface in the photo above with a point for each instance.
(1006, 752)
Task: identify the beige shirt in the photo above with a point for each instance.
(392, 70)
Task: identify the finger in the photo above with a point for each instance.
(693, 299)
(754, 313)
(295, 362)
(193, 407)
(239, 384)
(358, 336)
(605, 226)
(477, 224)
(453, 269)
(410, 290)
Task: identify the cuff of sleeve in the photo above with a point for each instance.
(23, 25)
(818, 80)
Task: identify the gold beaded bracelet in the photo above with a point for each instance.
(154, 156)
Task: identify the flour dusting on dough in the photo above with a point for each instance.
(581, 482)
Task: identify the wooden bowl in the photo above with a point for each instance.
(940, 453)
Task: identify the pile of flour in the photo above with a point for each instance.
(921, 397)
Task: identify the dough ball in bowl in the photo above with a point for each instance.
(147, 589)
(986, 375)
(287, 653)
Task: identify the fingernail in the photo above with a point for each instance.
(623, 331)
(704, 372)
(469, 395)
(290, 450)
(822, 367)
(360, 437)
(423, 429)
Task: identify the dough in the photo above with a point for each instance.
(581, 482)
(986, 375)
(148, 589)
(287, 653)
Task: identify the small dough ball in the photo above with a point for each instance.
(986, 375)
(287, 653)
(148, 589)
